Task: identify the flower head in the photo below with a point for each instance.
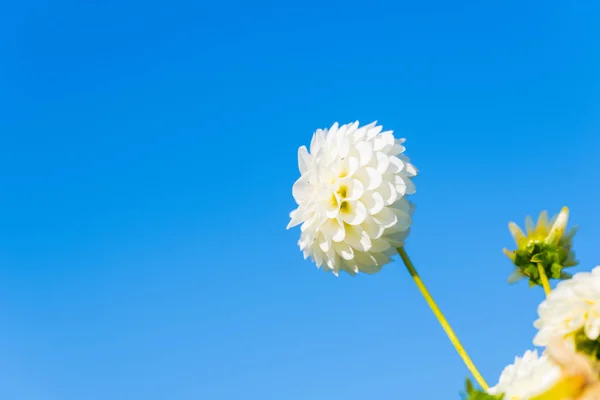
(351, 198)
(572, 311)
(545, 244)
(527, 377)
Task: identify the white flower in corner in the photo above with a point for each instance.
(572, 310)
(527, 377)
(351, 198)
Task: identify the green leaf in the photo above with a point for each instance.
(586, 345)
(471, 393)
(530, 248)
(469, 386)
(530, 270)
(537, 258)
(565, 275)
(555, 270)
(516, 276)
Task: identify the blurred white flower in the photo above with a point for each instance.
(351, 198)
(579, 380)
(527, 377)
(572, 310)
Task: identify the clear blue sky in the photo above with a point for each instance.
(147, 154)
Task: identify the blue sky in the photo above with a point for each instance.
(147, 154)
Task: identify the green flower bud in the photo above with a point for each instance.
(544, 243)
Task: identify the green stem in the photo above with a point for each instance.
(442, 320)
(544, 278)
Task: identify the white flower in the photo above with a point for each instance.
(529, 376)
(351, 198)
(579, 379)
(574, 305)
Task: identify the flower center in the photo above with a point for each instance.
(341, 175)
(345, 206)
(333, 201)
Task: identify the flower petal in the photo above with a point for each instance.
(303, 159)
(410, 169)
(386, 217)
(331, 204)
(529, 225)
(370, 178)
(358, 238)
(365, 151)
(296, 218)
(395, 165)
(349, 166)
(344, 250)
(396, 148)
(380, 245)
(334, 229)
(353, 212)
(374, 131)
(372, 228)
(404, 220)
(302, 189)
(542, 224)
(388, 192)
(373, 201)
(517, 234)
(401, 185)
(383, 162)
(356, 190)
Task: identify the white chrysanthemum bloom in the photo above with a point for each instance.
(572, 307)
(351, 198)
(527, 377)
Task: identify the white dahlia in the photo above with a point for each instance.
(572, 308)
(351, 198)
(527, 377)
